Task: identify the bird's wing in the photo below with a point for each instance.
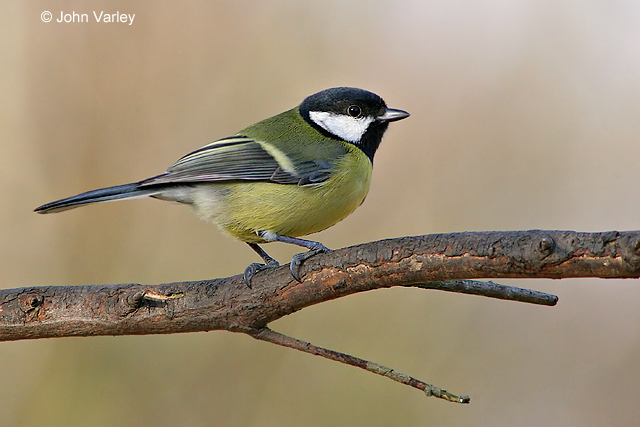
(240, 158)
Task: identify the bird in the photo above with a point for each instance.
(290, 175)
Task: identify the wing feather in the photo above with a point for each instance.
(244, 159)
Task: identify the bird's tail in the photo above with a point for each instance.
(119, 192)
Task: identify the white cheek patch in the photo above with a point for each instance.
(345, 127)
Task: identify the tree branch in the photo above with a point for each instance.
(439, 261)
(489, 290)
(266, 334)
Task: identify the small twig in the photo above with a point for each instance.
(491, 290)
(269, 335)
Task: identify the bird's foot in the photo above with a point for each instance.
(298, 259)
(255, 268)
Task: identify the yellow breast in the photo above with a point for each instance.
(244, 208)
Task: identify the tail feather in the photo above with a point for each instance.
(126, 191)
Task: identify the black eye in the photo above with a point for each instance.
(354, 111)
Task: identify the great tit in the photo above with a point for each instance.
(290, 175)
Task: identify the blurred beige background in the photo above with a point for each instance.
(525, 114)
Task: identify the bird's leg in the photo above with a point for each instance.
(297, 260)
(254, 268)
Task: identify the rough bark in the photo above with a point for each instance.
(438, 261)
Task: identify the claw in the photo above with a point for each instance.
(298, 259)
(255, 268)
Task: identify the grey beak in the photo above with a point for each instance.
(392, 115)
